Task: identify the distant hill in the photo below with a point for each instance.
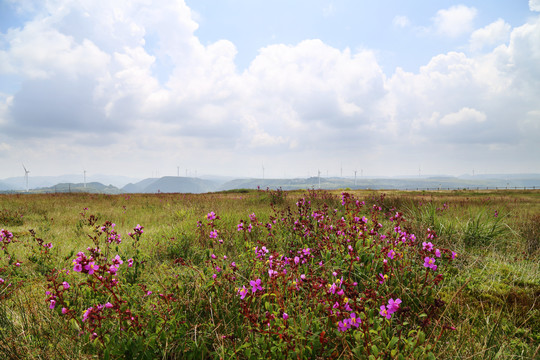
(93, 187)
(34, 182)
(445, 182)
(177, 184)
(171, 184)
(5, 187)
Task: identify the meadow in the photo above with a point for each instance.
(271, 274)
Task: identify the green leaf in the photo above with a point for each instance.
(421, 338)
(374, 350)
(392, 343)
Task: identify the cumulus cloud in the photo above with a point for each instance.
(534, 5)
(495, 33)
(464, 115)
(454, 21)
(102, 84)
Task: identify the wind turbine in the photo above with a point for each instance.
(26, 172)
(84, 171)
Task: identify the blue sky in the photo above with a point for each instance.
(140, 88)
(356, 24)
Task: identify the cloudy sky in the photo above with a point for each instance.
(141, 87)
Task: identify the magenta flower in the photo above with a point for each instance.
(66, 285)
(64, 311)
(391, 254)
(430, 263)
(87, 313)
(91, 267)
(344, 325)
(117, 261)
(393, 305)
(285, 316)
(108, 305)
(53, 304)
(384, 312)
(437, 253)
(354, 321)
(211, 215)
(255, 285)
(296, 260)
(272, 273)
(427, 246)
(130, 262)
(242, 292)
(213, 234)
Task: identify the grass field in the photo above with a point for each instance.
(274, 274)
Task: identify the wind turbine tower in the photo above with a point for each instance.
(319, 174)
(84, 171)
(26, 172)
(263, 170)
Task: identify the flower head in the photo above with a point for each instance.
(354, 321)
(255, 285)
(393, 305)
(430, 263)
(242, 292)
(384, 312)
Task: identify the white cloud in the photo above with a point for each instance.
(495, 33)
(465, 115)
(401, 21)
(96, 85)
(534, 5)
(454, 21)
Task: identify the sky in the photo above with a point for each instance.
(283, 88)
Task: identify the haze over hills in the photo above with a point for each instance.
(172, 184)
(34, 182)
(180, 184)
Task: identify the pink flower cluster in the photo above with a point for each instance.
(388, 310)
(84, 264)
(92, 312)
(350, 322)
(137, 231)
(112, 235)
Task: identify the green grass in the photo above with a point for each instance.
(488, 294)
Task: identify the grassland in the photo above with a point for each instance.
(183, 294)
